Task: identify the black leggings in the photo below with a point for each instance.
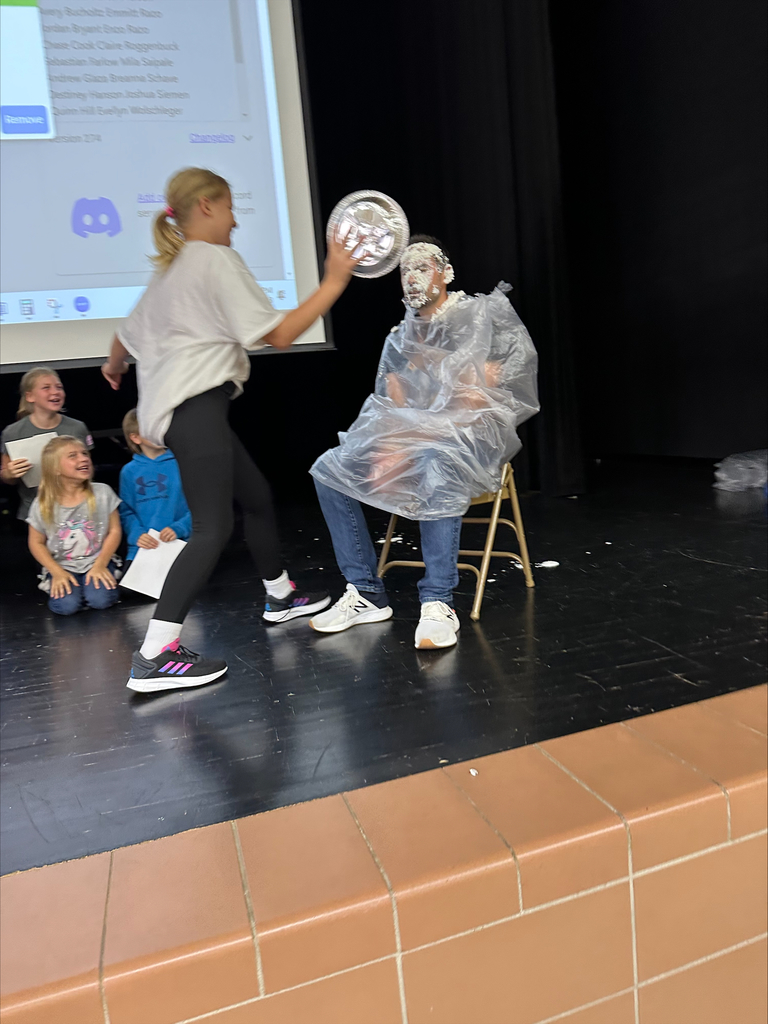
(215, 469)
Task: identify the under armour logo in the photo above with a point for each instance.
(143, 485)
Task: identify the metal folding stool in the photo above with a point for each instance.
(507, 490)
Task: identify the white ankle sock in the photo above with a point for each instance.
(159, 635)
(279, 588)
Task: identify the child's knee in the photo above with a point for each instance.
(67, 605)
(101, 598)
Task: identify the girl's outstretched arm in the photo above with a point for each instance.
(117, 364)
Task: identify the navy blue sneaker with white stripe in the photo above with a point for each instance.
(174, 668)
(298, 602)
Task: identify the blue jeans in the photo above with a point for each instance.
(357, 559)
(86, 595)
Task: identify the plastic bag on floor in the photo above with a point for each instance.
(742, 472)
(450, 393)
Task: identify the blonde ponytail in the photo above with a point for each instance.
(168, 241)
(182, 193)
(28, 381)
(49, 491)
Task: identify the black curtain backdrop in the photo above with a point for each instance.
(662, 109)
(450, 108)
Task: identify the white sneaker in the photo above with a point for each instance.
(351, 609)
(437, 626)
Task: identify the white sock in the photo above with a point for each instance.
(279, 588)
(159, 635)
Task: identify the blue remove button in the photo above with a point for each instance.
(24, 120)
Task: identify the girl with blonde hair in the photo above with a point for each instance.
(42, 399)
(74, 530)
(190, 334)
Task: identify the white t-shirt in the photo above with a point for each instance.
(190, 330)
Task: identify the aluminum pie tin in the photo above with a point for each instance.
(377, 224)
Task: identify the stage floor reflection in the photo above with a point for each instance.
(658, 600)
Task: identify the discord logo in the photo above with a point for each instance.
(94, 216)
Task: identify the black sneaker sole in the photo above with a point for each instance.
(153, 684)
(295, 613)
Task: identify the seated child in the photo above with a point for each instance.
(151, 493)
(74, 530)
(42, 398)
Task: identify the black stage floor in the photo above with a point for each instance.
(659, 600)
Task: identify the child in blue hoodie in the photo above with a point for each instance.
(151, 493)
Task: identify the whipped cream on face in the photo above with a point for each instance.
(417, 268)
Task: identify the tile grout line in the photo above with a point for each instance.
(688, 764)
(700, 853)
(212, 1014)
(656, 978)
(614, 882)
(586, 1006)
(525, 913)
(704, 959)
(395, 916)
(182, 957)
(630, 869)
(103, 944)
(490, 825)
(249, 907)
(719, 714)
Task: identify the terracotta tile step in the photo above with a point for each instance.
(584, 876)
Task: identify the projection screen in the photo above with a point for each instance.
(99, 104)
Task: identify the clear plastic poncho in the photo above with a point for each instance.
(450, 393)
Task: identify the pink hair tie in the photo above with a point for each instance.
(169, 211)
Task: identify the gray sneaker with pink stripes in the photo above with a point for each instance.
(175, 667)
(298, 602)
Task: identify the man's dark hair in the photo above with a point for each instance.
(430, 240)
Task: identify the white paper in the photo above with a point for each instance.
(149, 568)
(30, 448)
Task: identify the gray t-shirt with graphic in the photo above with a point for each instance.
(26, 428)
(75, 537)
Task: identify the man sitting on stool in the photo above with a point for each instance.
(456, 377)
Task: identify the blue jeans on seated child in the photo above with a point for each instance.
(357, 559)
(84, 596)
